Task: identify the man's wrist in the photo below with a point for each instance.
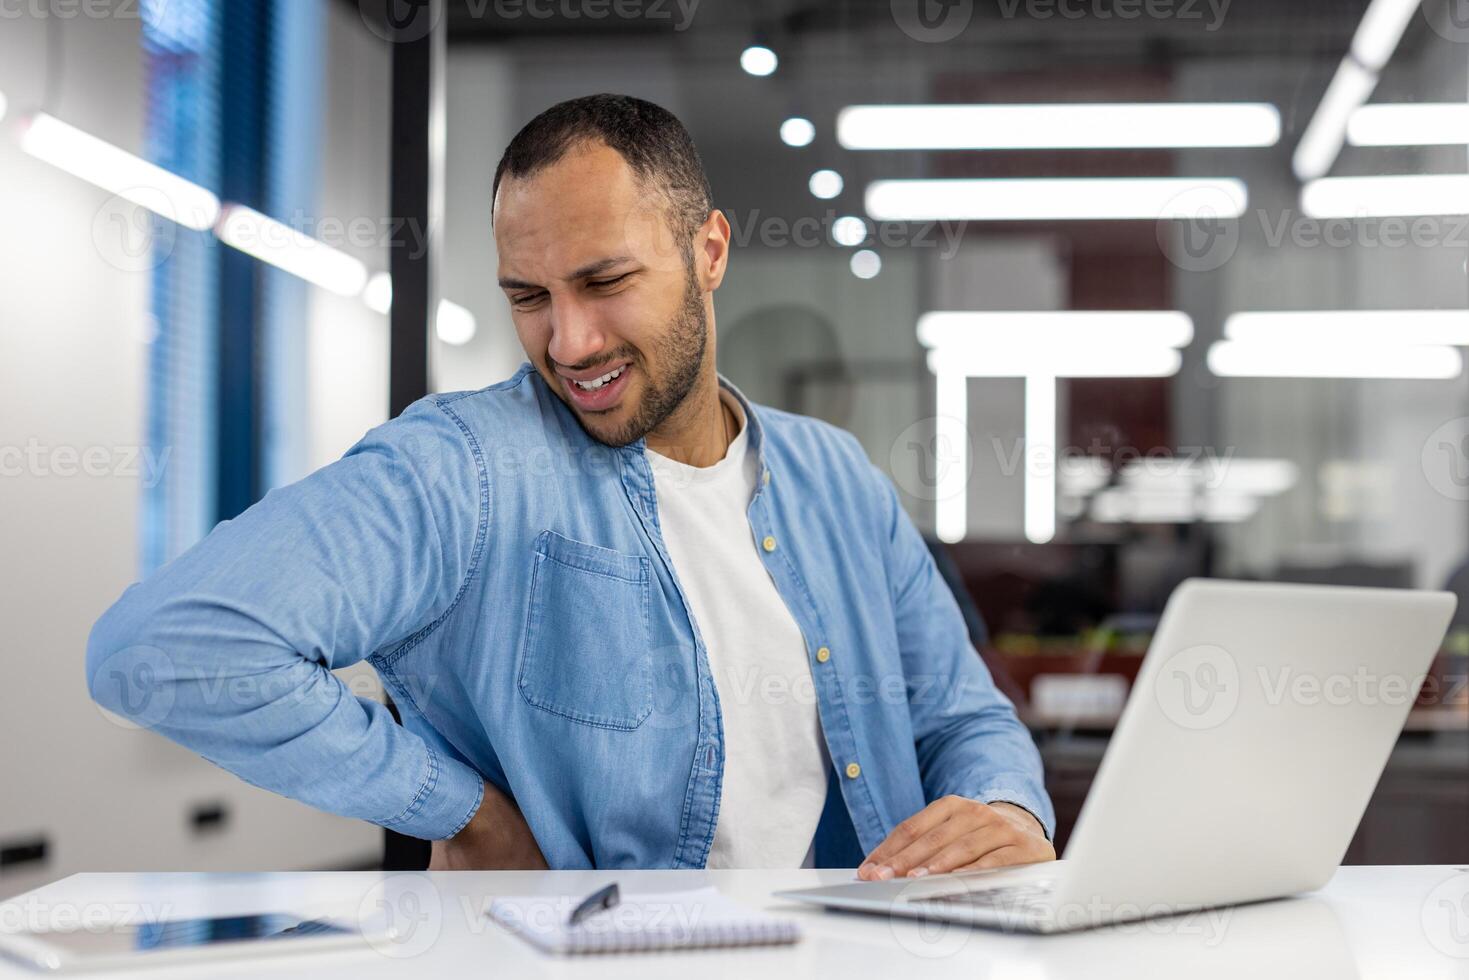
(1019, 808)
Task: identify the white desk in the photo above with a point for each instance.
(1384, 922)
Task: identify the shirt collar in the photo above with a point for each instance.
(757, 433)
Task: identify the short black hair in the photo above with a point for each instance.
(650, 138)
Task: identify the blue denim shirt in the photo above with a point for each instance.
(506, 576)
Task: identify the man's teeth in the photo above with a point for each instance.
(596, 383)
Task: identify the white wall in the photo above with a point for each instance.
(72, 371)
(481, 86)
(348, 344)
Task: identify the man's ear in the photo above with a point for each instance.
(712, 242)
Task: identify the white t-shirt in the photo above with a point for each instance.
(775, 767)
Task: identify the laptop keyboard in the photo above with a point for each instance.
(1005, 897)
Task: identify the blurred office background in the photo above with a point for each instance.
(1224, 339)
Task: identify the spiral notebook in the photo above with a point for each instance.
(698, 919)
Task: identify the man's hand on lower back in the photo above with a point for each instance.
(497, 838)
(958, 834)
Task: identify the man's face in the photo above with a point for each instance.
(606, 305)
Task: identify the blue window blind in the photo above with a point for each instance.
(234, 91)
(181, 43)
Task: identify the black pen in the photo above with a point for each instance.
(597, 901)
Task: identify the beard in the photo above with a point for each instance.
(680, 350)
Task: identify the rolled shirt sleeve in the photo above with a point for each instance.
(228, 650)
(969, 739)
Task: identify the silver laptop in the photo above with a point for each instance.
(1257, 728)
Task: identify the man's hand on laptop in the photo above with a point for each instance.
(958, 834)
(496, 838)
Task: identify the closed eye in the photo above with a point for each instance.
(606, 283)
(527, 300)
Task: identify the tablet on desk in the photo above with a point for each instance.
(149, 944)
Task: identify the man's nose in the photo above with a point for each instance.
(575, 334)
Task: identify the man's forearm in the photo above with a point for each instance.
(228, 650)
(271, 717)
(968, 739)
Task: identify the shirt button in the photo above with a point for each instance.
(768, 544)
(823, 655)
(853, 770)
(767, 477)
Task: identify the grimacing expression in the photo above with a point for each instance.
(605, 302)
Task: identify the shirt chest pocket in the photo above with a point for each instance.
(585, 653)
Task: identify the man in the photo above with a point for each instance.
(630, 619)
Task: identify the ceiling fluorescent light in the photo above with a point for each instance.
(1052, 198)
(1258, 477)
(1081, 362)
(1426, 124)
(1119, 505)
(286, 248)
(119, 172)
(1351, 328)
(951, 431)
(1408, 195)
(378, 293)
(1381, 28)
(1085, 126)
(1039, 346)
(454, 324)
(797, 131)
(865, 264)
(1373, 44)
(1028, 331)
(1040, 444)
(1325, 133)
(1236, 359)
(758, 60)
(825, 184)
(1082, 475)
